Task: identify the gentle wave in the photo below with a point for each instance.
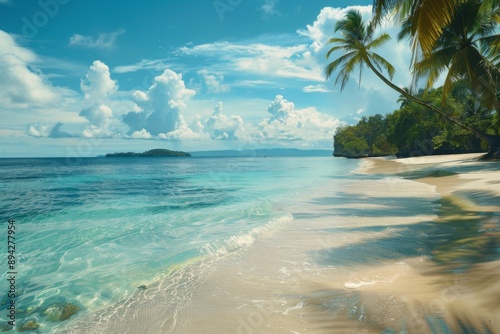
(244, 240)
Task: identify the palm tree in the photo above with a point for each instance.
(402, 99)
(428, 18)
(356, 43)
(464, 50)
(356, 46)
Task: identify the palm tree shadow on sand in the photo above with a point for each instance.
(458, 244)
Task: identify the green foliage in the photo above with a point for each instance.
(367, 138)
(348, 143)
(466, 50)
(414, 130)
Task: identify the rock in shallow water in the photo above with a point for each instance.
(61, 312)
(30, 325)
(5, 327)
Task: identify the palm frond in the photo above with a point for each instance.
(379, 41)
(345, 74)
(452, 76)
(383, 7)
(487, 83)
(496, 121)
(488, 6)
(432, 66)
(490, 45)
(351, 24)
(405, 30)
(336, 40)
(333, 49)
(429, 18)
(332, 67)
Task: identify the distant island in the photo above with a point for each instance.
(158, 152)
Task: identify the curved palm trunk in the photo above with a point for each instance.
(493, 141)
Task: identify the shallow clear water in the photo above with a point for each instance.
(90, 232)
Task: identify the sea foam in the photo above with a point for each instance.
(352, 285)
(244, 240)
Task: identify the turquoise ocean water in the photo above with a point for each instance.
(89, 232)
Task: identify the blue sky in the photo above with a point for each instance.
(87, 77)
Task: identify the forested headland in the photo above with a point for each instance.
(414, 130)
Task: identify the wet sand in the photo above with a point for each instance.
(370, 255)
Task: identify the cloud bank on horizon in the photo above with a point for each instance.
(268, 90)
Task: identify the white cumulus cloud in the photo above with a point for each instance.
(99, 116)
(98, 84)
(290, 124)
(213, 82)
(184, 132)
(21, 85)
(38, 130)
(41, 130)
(222, 127)
(160, 107)
(98, 88)
(142, 134)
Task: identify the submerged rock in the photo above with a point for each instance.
(61, 311)
(6, 299)
(5, 327)
(30, 325)
(27, 311)
(142, 287)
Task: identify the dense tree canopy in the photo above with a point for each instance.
(414, 130)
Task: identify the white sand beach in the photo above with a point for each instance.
(472, 187)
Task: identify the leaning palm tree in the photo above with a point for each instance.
(356, 44)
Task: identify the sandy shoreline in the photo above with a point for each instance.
(362, 255)
(472, 189)
(475, 184)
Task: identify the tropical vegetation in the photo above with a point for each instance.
(456, 38)
(414, 130)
